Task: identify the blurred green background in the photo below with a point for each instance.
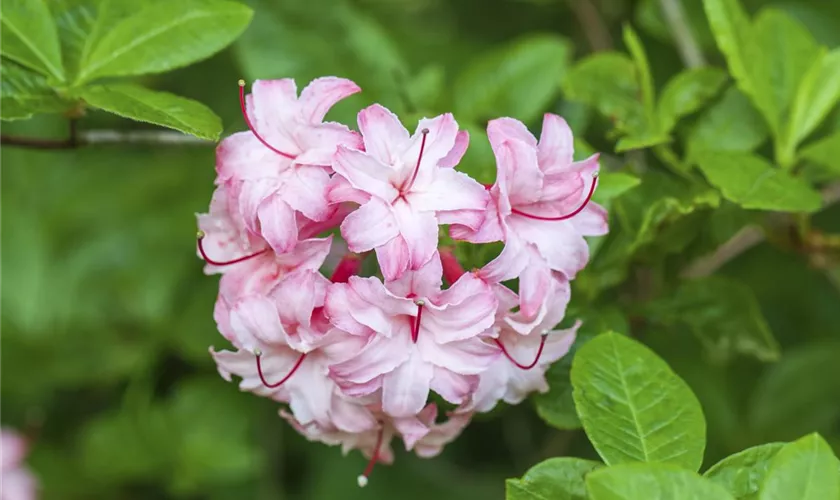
(107, 317)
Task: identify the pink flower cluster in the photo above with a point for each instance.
(356, 358)
(16, 482)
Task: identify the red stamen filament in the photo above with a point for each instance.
(265, 382)
(363, 479)
(224, 262)
(569, 215)
(251, 125)
(517, 363)
(425, 133)
(415, 326)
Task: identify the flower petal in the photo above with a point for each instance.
(462, 141)
(385, 137)
(382, 355)
(420, 232)
(505, 129)
(465, 357)
(321, 94)
(371, 226)
(393, 258)
(453, 387)
(534, 284)
(517, 162)
(450, 190)
(305, 190)
(365, 172)
(423, 282)
(278, 224)
(241, 156)
(256, 322)
(556, 145)
(509, 264)
(440, 140)
(405, 389)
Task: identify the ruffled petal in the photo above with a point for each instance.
(321, 94)
(385, 137)
(556, 146)
(371, 226)
(405, 389)
(278, 224)
(365, 172)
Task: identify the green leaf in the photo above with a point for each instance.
(82, 23)
(633, 407)
(686, 92)
(752, 182)
(554, 479)
(520, 79)
(24, 93)
(722, 313)
(607, 81)
(160, 108)
(787, 50)
(637, 51)
(164, 36)
(735, 38)
(803, 470)
(818, 93)
(651, 482)
(29, 37)
(731, 124)
(825, 152)
(742, 473)
(557, 407)
(788, 402)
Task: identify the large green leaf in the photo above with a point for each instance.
(159, 108)
(633, 407)
(519, 79)
(164, 36)
(686, 92)
(752, 182)
(799, 394)
(557, 407)
(82, 23)
(554, 479)
(786, 51)
(803, 470)
(722, 313)
(651, 482)
(24, 93)
(818, 93)
(29, 37)
(735, 38)
(742, 473)
(731, 124)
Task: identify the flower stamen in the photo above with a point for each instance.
(425, 133)
(569, 215)
(363, 479)
(258, 354)
(517, 363)
(213, 262)
(251, 125)
(415, 326)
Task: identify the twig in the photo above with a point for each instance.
(690, 52)
(748, 237)
(78, 139)
(596, 30)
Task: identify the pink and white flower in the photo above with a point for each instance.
(540, 207)
(407, 187)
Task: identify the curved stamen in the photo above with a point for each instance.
(425, 133)
(415, 326)
(237, 260)
(363, 479)
(251, 125)
(569, 215)
(517, 363)
(258, 354)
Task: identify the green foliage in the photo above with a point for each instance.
(159, 108)
(722, 313)
(633, 407)
(804, 470)
(556, 478)
(653, 481)
(742, 473)
(30, 37)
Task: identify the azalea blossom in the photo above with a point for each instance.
(418, 338)
(17, 482)
(281, 167)
(354, 359)
(540, 207)
(407, 187)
